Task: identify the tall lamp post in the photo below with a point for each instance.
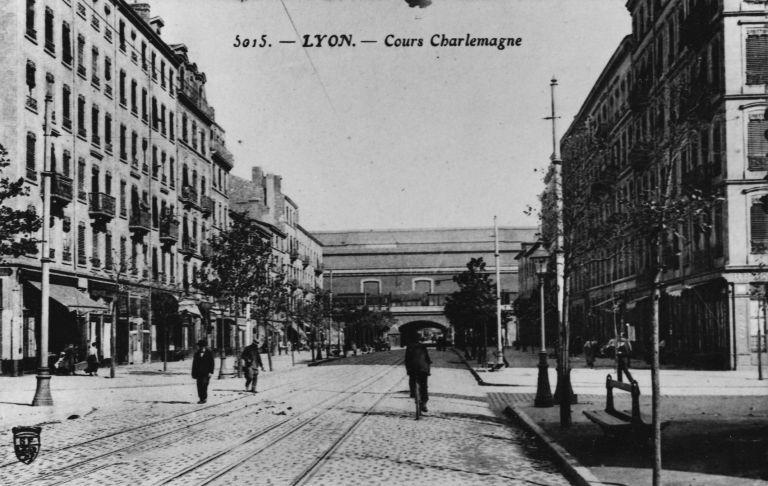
(43, 391)
(540, 258)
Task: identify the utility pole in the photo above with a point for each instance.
(499, 345)
(330, 313)
(43, 391)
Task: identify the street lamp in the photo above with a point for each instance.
(540, 258)
(43, 391)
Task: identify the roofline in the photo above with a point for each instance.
(389, 230)
(311, 236)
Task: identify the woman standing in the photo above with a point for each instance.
(93, 360)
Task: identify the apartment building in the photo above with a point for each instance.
(121, 178)
(685, 91)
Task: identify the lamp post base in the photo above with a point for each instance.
(543, 391)
(564, 389)
(43, 396)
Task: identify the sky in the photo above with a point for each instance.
(378, 137)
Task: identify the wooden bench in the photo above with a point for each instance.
(617, 423)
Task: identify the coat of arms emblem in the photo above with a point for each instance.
(26, 443)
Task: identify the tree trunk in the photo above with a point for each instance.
(113, 338)
(655, 384)
(565, 361)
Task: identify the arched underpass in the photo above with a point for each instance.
(414, 330)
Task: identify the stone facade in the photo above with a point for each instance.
(702, 66)
(117, 96)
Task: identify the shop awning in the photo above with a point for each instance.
(71, 298)
(190, 307)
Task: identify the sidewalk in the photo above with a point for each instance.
(718, 431)
(76, 396)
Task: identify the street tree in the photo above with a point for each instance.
(17, 226)
(240, 265)
(471, 310)
(270, 305)
(314, 312)
(364, 324)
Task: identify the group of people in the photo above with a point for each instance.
(203, 367)
(417, 366)
(66, 364)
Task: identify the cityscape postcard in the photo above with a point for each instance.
(383, 242)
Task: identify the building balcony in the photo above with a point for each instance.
(169, 231)
(220, 153)
(67, 122)
(108, 90)
(305, 261)
(188, 196)
(96, 262)
(31, 103)
(294, 255)
(140, 223)
(188, 247)
(206, 205)
(101, 207)
(189, 94)
(81, 71)
(319, 269)
(61, 190)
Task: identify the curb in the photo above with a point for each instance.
(577, 473)
(477, 376)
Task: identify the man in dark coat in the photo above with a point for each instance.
(202, 369)
(417, 366)
(250, 360)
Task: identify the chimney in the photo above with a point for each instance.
(157, 24)
(142, 9)
(257, 175)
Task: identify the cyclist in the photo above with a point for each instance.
(417, 366)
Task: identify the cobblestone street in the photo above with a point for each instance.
(346, 422)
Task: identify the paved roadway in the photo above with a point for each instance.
(349, 422)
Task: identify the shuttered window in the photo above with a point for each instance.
(757, 58)
(758, 226)
(31, 171)
(81, 244)
(757, 144)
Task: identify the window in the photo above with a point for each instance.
(144, 55)
(66, 44)
(170, 82)
(757, 58)
(81, 56)
(123, 207)
(95, 247)
(108, 132)
(95, 125)
(154, 72)
(95, 66)
(371, 287)
(155, 164)
(81, 131)
(134, 106)
(31, 32)
(122, 88)
(144, 104)
(171, 128)
(31, 149)
(162, 74)
(108, 260)
(81, 179)
(422, 286)
(66, 162)
(171, 174)
(757, 144)
(123, 155)
(81, 243)
(758, 226)
(123, 254)
(121, 35)
(162, 119)
(134, 147)
(155, 220)
(49, 45)
(184, 127)
(107, 69)
(154, 113)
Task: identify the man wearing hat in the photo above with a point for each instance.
(202, 369)
(250, 360)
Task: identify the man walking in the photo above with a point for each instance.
(250, 360)
(202, 369)
(417, 366)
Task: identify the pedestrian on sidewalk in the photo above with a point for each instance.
(250, 360)
(623, 352)
(589, 352)
(417, 365)
(93, 360)
(202, 369)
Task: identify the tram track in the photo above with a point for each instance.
(56, 474)
(304, 422)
